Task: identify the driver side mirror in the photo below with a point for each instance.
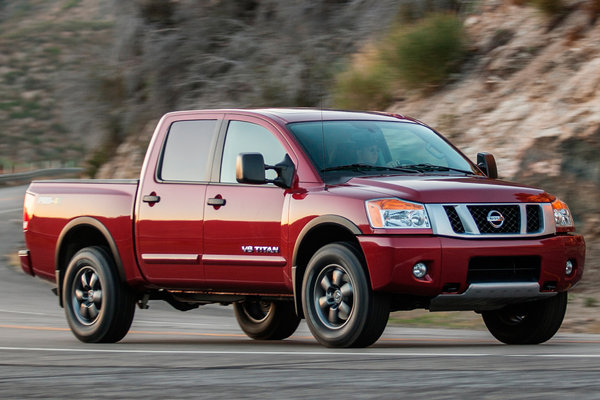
(250, 168)
(487, 164)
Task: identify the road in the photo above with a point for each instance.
(203, 354)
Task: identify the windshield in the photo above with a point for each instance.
(351, 148)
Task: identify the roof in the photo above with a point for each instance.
(288, 115)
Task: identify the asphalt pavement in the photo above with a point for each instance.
(203, 354)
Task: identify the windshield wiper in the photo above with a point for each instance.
(368, 167)
(431, 167)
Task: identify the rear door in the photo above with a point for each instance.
(171, 198)
(246, 225)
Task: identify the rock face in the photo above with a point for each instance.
(531, 96)
(129, 157)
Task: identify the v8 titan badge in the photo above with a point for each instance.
(261, 249)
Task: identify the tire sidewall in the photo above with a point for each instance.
(253, 328)
(98, 260)
(346, 257)
(542, 320)
(280, 322)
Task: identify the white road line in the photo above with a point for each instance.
(10, 211)
(23, 312)
(293, 353)
(168, 323)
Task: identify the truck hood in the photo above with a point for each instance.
(447, 189)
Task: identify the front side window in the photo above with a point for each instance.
(246, 137)
(186, 152)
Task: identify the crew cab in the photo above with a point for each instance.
(335, 217)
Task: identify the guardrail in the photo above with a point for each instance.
(38, 173)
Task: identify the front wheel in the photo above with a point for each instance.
(527, 323)
(98, 307)
(266, 320)
(340, 308)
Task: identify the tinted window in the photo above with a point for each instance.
(245, 137)
(187, 150)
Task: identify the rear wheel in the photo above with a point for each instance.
(98, 307)
(266, 320)
(340, 308)
(527, 323)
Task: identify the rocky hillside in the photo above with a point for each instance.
(50, 51)
(531, 96)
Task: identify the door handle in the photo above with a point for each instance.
(151, 198)
(216, 201)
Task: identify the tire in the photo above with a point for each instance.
(98, 307)
(264, 320)
(527, 323)
(340, 308)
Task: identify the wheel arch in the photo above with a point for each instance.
(319, 232)
(80, 233)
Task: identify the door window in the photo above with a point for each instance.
(186, 154)
(246, 137)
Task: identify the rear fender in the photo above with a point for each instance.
(79, 233)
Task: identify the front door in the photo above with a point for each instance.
(245, 225)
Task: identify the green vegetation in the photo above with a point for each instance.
(549, 7)
(445, 319)
(590, 302)
(369, 89)
(420, 56)
(70, 4)
(426, 54)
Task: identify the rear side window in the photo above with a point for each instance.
(186, 152)
(246, 137)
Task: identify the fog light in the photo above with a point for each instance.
(419, 270)
(569, 267)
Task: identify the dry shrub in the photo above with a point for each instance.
(420, 56)
(366, 89)
(425, 54)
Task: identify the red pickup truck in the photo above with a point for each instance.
(333, 216)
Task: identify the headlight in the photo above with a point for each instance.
(397, 214)
(562, 217)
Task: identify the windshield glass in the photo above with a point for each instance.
(354, 148)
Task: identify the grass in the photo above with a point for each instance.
(442, 319)
(49, 30)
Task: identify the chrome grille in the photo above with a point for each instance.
(492, 220)
(511, 222)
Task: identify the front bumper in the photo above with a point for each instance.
(390, 260)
